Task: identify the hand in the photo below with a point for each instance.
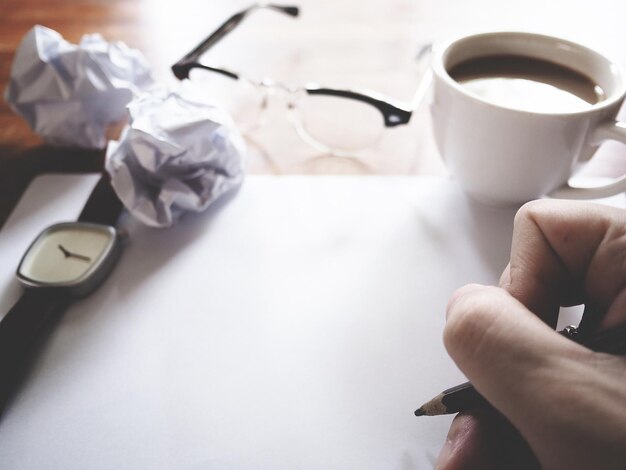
(557, 404)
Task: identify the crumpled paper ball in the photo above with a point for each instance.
(178, 153)
(70, 93)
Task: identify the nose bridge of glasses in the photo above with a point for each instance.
(286, 92)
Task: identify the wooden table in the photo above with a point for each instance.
(363, 44)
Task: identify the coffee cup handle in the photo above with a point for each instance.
(614, 130)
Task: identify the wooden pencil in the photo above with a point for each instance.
(464, 396)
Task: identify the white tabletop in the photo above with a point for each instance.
(296, 324)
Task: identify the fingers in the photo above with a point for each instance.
(559, 395)
(483, 439)
(568, 403)
(506, 352)
(490, 333)
(566, 253)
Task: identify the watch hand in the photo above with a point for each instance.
(69, 254)
(65, 252)
(80, 257)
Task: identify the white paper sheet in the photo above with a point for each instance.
(295, 324)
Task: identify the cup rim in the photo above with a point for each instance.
(441, 50)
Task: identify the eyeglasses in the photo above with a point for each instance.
(333, 120)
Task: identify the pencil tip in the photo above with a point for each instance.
(420, 412)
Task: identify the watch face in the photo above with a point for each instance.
(74, 255)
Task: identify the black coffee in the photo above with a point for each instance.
(527, 83)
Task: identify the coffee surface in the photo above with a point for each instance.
(527, 83)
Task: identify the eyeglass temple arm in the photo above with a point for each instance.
(183, 66)
(422, 61)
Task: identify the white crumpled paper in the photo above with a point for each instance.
(178, 153)
(69, 93)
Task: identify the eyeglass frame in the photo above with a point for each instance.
(394, 114)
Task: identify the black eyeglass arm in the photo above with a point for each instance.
(231, 23)
(290, 10)
(181, 70)
(394, 115)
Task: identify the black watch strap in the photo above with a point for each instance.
(103, 205)
(23, 326)
(20, 330)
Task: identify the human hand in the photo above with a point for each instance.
(559, 405)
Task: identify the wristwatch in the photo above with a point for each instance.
(66, 261)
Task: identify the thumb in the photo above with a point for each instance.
(512, 358)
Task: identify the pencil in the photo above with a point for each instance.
(464, 396)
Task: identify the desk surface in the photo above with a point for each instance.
(295, 324)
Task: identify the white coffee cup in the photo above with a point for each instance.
(505, 155)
